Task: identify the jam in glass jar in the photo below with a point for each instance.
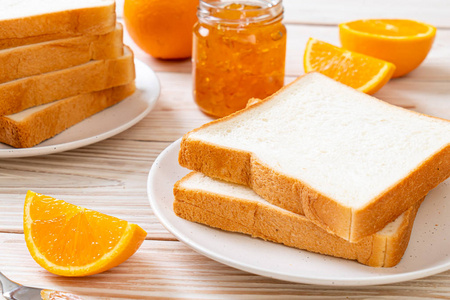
(239, 53)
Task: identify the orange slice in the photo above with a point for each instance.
(361, 72)
(70, 240)
(405, 43)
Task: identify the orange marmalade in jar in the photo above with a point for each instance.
(239, 53)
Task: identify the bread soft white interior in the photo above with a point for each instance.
(343, 143)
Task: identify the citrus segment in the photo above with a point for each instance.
(361, 72)
(405, 43)
(70, 240)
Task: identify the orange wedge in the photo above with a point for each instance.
(70, 240)
(405, 43)
(361, 72)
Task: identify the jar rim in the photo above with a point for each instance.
(215, 3)
(269, 11)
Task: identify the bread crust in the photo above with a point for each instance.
(20, 62)
(60, 116)
(217, 162)
(57, 25)
(396, 244)
(294, 230)
(97, 75)
(243, 168)
(402, 195)
(349, 223)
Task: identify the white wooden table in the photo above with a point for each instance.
(110, 176)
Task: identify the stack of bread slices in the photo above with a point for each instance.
(61, 62)
(317, 166)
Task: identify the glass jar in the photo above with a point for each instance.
(239, 51)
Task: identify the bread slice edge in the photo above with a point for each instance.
(352, 224)
(59, 116)
(272, 223)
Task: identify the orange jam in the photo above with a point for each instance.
(239, 53)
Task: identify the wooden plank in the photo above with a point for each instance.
(169, 269)
(430, 98)
(331, 12)
(110, 177)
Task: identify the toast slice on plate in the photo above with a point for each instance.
(92, 76)
(349, 162)
(237, 208)
(34, 125)
(29, 60)
(24, 22)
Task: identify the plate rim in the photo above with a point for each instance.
(203, 250)
(71, 145)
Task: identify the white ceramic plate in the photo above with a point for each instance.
(428, 252)
(102, 125)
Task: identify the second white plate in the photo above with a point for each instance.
(102, 125)
(428, 252)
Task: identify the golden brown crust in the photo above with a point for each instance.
(242, 168)
(396, 244)
(348, 223)
(266, 182)
(328, 214)
(60, 116)
(237, 218)
(195, 214)
(58, 25)
(402, 195)
(93, 76)
(218, 162)
(54, 55)
(263, 221)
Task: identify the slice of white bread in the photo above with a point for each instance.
(60, 54)
(347, 161)
(95, 75)
(233, 207)
(34, 125)
(24, 22)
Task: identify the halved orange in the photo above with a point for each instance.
(405, 43)
(361, 72)
(70, 240)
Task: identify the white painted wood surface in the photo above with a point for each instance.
(110, 176)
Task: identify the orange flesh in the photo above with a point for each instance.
(344, 66)
(389, 27)
(70, 235)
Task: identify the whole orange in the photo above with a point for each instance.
(162, 28)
